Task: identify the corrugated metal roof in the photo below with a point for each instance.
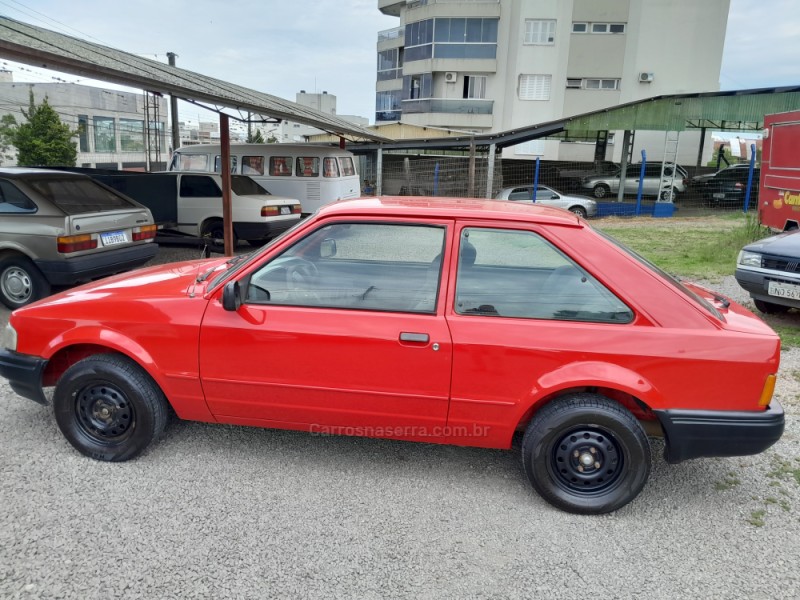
(51, 50)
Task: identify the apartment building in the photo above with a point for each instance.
(115, 129)
(494, 65)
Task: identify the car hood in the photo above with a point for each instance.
(783, 244)
(161, 281)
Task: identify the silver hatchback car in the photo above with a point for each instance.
(666, 188)
(547, 196)
(61, 228)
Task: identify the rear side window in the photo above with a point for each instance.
(193, 162)
(509, 273)
(330, 168)
(75, 195)
(280, 166)
(307, 166)
(199, 186)
(14, 201)
(347, 166)
(244, 186)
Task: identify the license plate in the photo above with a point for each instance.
(285, 210)
(784, 290)
(113, 237)
(719, 196)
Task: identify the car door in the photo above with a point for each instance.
(342, 329)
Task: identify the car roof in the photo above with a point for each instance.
(29, 171)
(450, 208)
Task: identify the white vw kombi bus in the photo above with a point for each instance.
(315, 175)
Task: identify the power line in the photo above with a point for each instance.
(59, 23)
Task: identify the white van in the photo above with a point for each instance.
(191, 203)
(316, 175)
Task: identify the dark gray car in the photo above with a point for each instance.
(769, 270)
(59, 228)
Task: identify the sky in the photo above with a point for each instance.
(281, 47)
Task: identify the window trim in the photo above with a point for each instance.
(550, 33)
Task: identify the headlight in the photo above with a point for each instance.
(749, 259)
(8, 339)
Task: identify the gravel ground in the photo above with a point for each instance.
(231, 512)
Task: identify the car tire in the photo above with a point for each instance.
(562, 439)
(601, 190)
(669, 196)
(21, 282)
(578, 210)
(109, 408)
(769, 308)
(215, 229)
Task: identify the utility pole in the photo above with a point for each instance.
(173, 110)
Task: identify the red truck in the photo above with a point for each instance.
(779, 191)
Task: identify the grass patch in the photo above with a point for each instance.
(698, 248)
(788, 332)
(730, 482)
(785, 469)
(757, 518)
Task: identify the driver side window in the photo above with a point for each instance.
(362, 266)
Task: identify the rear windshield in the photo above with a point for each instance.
(245, 186)
(75, 195)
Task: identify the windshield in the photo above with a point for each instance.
(674, 281)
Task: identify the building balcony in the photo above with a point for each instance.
(391, 38)
(459, 106)
(391, 7)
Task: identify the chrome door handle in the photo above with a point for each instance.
(407, 336)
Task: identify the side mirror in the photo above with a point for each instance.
(231, 296)
(555, 197)
(327, 248)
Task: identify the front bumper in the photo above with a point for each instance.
(756, 283)
(700, 433)
(263, 230)
(24, 374)
(93, 266)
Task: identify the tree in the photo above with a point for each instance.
(7, 124)
(44, 140)
(255, 138)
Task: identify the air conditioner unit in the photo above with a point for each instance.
(646, 77)
(450, 76)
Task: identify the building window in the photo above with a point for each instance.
(531, 148)
(387, 105)
(534, 87)
(419, 86)
(601, 84)
(574, 83)
(104, 135)
(475, 86)
(541, 33)
(451, 38)
(390, 64)
(601, 28)
(131, 135)
(83, 133)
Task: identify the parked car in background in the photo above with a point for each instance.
(665, 188)
(770, 271)
(60, 228)
(601, 167)
(700, 180)
(729, 188)
(478, 320)
(547, 196)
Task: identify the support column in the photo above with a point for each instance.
(471, 175)
(627, 148)
(490, 171)
(173, 110)
(379, 171)
(225, 157)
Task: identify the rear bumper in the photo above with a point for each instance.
(92, 266)
(259, 231)
(24, 374)
(701, 433)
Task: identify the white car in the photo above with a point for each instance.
(547, 196)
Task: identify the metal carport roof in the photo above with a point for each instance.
(48, 49)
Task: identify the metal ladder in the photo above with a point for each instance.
(666, 189)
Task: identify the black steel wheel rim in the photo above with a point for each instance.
(587, 461)
(104, 412)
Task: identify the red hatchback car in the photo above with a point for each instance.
(450, 321)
